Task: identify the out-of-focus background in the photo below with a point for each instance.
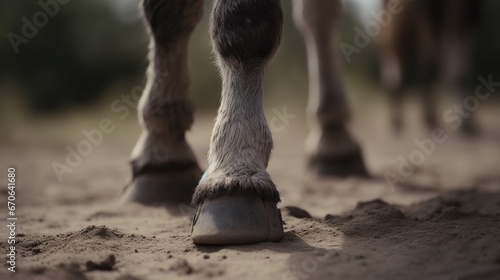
(66, 71)
(88, 53)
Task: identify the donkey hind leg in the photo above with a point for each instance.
(457, 72)
(236, 197)
(392, 83)
(332, 149)
(430, 98)
(165, 170)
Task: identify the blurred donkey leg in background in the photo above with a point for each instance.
(332, 149)
(426, 42)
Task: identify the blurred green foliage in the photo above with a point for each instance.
(71, 59)
(88, 47)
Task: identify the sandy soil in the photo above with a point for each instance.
(442, 222)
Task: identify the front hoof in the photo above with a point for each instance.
(169, 189)
(237, 218)
(347, 165)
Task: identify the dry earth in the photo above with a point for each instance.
(442, 222)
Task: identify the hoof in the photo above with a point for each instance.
(237, 218)
(170, 189)
(397, 127)
(348, 165)
(431, 122)
(469, 129)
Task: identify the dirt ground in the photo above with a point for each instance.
(442, 222)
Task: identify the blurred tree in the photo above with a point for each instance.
(86, 46)
(76, 50)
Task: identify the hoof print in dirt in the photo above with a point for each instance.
(106, 265)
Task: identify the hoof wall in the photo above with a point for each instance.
(237, 218)
(169, 189)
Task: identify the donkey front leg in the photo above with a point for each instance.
(236, 197)
(332, 150)
(165, 170)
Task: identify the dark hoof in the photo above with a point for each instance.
(237, 218)
(431, 123)
(348, 165)
(469, 129)
(170, 189)
(397, 126)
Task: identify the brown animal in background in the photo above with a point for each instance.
(432, 40)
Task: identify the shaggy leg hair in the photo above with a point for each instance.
(163, 165)
(245, 35)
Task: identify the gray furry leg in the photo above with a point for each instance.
(164, 168)
(236, 197)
